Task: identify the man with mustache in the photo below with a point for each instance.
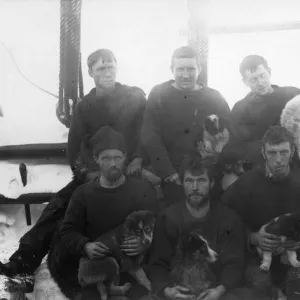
(260, 109)
(262, 194)
(174, 119)
(103, 203)
(109, 103)
(219, 225)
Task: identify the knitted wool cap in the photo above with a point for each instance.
(107, 138)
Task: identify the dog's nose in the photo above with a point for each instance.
(215, 257)
(146, 241)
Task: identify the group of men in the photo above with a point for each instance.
(127, 133)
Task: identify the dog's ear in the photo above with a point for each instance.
(131, 220)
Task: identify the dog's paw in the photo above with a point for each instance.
(219, 148)
(265, 267)
(296, 264)
(125, 287)
(104, 297)
(147, 285)
(207, 146)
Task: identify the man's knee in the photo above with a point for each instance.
(57, 206)
(256, 279)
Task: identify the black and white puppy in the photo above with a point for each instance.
(286, 226)
(191, 266)
(215, 134)
(231, 166)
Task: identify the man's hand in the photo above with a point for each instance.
(266, 241)
(174, 178)
(213, 294)
(95, 250)
(132, 246)
(205, 151)
(135, 167)
(291, 245)
(178, 293)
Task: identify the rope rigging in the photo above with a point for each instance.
(70, 73)
(198, 37)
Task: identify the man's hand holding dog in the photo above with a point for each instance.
(205, 151)
(291, 245)
(266, 241)
(178, 293)
(132, 246)
(135, 167)
(95, 250)
(174, 178)
(213, 294)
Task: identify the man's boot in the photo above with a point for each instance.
(21, 267)
(17, 276)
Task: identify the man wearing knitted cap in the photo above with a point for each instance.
(260, 109)
(174, 118)
(109, 103)
(103, 203)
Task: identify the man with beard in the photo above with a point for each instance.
(103, 203)
(174, 118)
(220, 226)
(262, 194)
(260, 109)
(109, 103)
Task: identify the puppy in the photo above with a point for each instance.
(215, 134)
(285, 226)
(105, 272)
(191, 266)
(231, 166)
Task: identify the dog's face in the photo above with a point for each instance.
(140, 224)
(195, 245)
(232, 167)
(213, 124)
(292, 224)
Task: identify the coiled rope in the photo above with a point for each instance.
(70, 73)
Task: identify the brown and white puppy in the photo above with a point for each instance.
(286, 226)
(215, 134)
(105, 272)
(191, 265)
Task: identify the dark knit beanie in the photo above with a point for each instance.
(107, 138)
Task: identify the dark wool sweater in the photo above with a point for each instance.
(222, 228)
(173, 121)
(122, 109)
(94, 210)
(258, 199)
(253, 115)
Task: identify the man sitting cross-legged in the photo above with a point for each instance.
(101, 205)
(218, 226)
